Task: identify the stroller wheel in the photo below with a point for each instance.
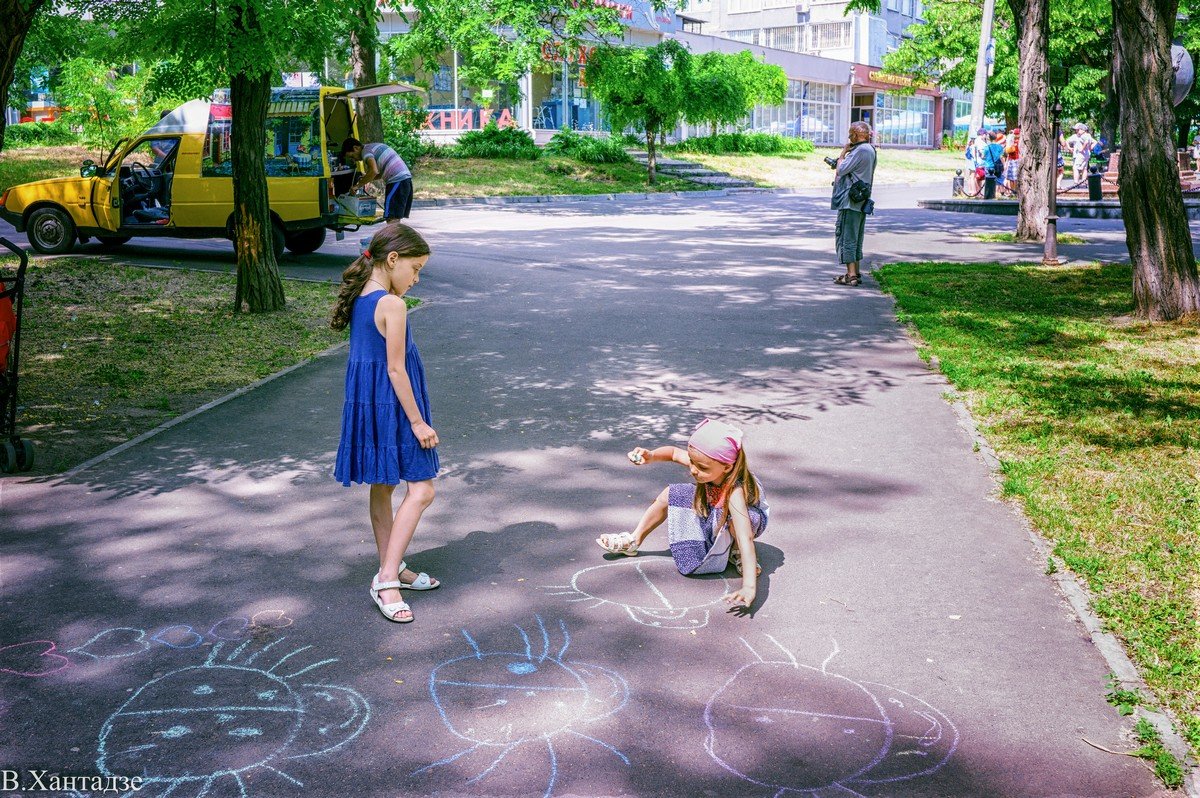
(25, 455)
(8, 457)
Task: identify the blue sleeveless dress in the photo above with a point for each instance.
(378, 446)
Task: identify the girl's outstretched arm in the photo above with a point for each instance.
(739, 519)
(392, 315)
(663, 454)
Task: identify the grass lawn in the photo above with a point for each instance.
(1096, 420)
(432, 177)
(95, 373)
(1009, 238)
(26, 164)
(807, 170)
(479, 177)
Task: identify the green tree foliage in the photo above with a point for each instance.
(725, 87)
(943, 51)
(55, 37)
(497, 40)
(101, 102)
(643, 88)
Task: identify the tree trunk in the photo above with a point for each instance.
(1165, 282)
(1183, 126)
(1038, 152)
(363, 44)
(16, 17)
(258, 283)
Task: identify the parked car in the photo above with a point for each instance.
(175, 180)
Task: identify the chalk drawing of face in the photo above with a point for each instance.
(789, 727)
(501, 700)
(214, 723)
(650, 591)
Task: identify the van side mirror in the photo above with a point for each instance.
(88, 168)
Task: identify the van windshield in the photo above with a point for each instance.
(109, 161)
(291, 140)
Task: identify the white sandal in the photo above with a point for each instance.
(619, 543)
(390, 610)
(423, 581)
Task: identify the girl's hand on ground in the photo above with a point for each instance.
(426, 436)
(639, 456)
(740, 598)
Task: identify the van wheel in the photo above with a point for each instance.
(111, 242)
(51, 231)
(302, 242)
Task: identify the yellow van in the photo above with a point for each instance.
(175, 180)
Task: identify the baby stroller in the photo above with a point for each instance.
(16, 454)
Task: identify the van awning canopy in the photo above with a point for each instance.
(376, 90)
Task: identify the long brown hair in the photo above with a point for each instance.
(394, 237)
(738, 475)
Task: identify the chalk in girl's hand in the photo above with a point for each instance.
(636, 458)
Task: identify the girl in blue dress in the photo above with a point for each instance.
(386, 432)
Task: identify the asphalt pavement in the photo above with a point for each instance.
(193, 610)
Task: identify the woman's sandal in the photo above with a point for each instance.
(619, 543)
(390, 611)
(423, 581)
(847, 279)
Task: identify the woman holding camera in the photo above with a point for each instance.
(855, 167)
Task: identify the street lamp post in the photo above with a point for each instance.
(1056, 80)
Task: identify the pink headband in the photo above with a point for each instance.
(717, 440)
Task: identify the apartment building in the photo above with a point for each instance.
(901, 111)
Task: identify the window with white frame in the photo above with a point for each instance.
(786, 38)
(738, 6)
(830, 35)
(750, 36)
(810, 111)
(905, 120)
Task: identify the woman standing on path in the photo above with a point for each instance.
(386, 433)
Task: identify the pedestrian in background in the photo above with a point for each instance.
(1080, 146)
(1012, 160)
(855, 175)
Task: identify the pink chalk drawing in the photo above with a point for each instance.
(34, 659)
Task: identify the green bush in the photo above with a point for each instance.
(39, 134)
(402, 118)
(758, 143)
(588, 149)
(497, 142)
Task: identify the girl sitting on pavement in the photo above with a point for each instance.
(386, 432)
(700, 515)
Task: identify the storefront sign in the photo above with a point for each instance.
(897, 80)
(467, 118)
(552, 53)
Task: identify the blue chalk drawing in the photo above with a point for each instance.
(498, 701)
(248, 718)
(829, 736)
(649, 589)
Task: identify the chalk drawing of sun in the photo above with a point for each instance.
(202, 729)
(828, 736)
(500, 701)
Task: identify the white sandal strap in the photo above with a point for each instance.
(387, 585)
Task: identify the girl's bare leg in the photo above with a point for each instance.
(417, 498)
(381, 515)
(655, 514)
